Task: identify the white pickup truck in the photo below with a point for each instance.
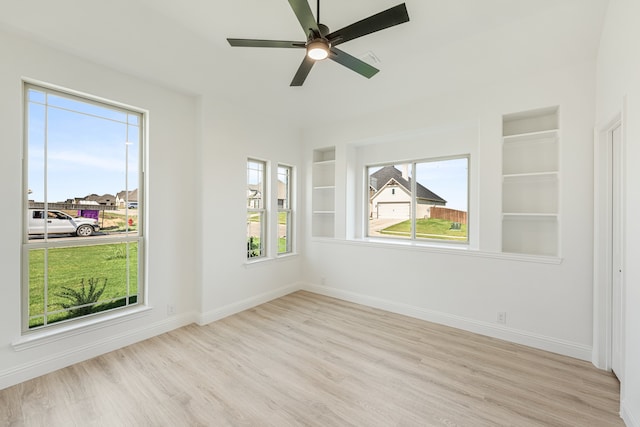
(60, 223)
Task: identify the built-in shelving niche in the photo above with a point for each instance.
(530, 182)
(324, 190)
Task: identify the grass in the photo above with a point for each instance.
(430, 228)
(282, 244)
(68, 267)
(282, 218)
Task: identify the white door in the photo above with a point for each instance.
(617, 249)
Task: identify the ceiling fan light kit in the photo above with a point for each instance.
(318, 49)
(321, 43)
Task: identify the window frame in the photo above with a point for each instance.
(46, 243)
(262, 211)
(288, 211)
(412, 239)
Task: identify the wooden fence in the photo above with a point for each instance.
(449, 214)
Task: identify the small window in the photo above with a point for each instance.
(433, 206)
(284, 210)
(256, 212)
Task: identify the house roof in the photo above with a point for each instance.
(133, 195)
(380, 178)
(105, 198)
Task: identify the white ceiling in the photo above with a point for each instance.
(182, 44)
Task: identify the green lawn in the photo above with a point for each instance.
(428, 229)
(282, 244)
(69, 266)
(282, 218)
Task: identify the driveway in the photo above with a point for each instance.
(375, 225)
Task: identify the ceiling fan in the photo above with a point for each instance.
(321, 43)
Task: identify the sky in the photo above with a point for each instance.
(87, 147)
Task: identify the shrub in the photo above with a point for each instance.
(82, 302)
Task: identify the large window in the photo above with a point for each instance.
(284, 210)
(433, 206)
(83, 203)
(256, 213)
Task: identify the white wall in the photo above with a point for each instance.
(231, 134)
(618, 91)
(548, 305)
(171, 230)
(197, 154)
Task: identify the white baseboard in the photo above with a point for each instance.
(237, 307)
(578, 351)
(53, 362)
(627, 415)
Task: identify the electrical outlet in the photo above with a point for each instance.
(171, 309)
(502, 317)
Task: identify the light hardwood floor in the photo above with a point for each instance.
(309, 360)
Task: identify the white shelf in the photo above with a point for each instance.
(325, 162)
(550, 174)
(538, 136)
(325, 187)
(529, 214)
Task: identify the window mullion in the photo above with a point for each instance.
(414, 200)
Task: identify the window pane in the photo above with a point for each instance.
(255, 184)
(442, 198)
(37, 96)
(284, 187)
(87, 160)
(390, 201)
(81, 280)
(255, 233)
(284, 231)
(87, 108)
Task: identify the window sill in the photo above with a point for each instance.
(440, 248)
(263, 260)
(71, 329)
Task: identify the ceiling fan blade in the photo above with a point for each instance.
(388, 18)
(265, 43)
(303, 71)
(303, 12)
(353, 63)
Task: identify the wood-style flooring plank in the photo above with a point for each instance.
(310, 360)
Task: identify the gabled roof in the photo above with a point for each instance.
(133, 195)
(380, 178)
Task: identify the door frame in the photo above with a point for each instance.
(603, 248)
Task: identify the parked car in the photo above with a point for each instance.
(132, 205)
(60, 223)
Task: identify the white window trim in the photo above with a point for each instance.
(264, 211)
(59, 327)
(290, 210)
(413, 241)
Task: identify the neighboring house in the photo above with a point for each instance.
(390, 195)
(105, 200)
(122, 199)
(282, 194)
(254, 196)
